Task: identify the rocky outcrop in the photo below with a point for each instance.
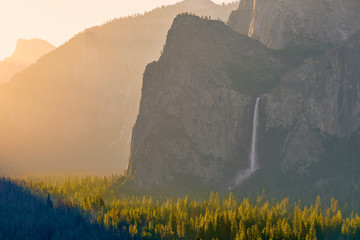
(197, 105)
(195, 114)
(277, 23)
(323, 95)
(323, 91)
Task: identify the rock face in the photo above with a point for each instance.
(74, 110)
(197, 105)
(26, 53)
(195, 111)
(322, 94)
(277, 23)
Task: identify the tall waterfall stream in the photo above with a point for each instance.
(253, 157)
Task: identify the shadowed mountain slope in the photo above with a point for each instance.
(27, 216)
(74, 110)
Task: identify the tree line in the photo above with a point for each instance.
(219, 217)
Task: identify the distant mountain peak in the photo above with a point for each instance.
(28, 51)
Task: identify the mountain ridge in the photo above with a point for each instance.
(78, 104)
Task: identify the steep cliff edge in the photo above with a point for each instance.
(197, 106)
(279, 23)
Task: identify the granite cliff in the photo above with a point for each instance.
(278, 23)
(320, 95)
(195, 111)
(197, 106)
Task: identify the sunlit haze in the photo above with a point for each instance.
(57, 21)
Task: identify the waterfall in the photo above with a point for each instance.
(253, 166)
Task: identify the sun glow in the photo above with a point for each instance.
(57, 21)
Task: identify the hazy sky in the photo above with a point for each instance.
(58, 20)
